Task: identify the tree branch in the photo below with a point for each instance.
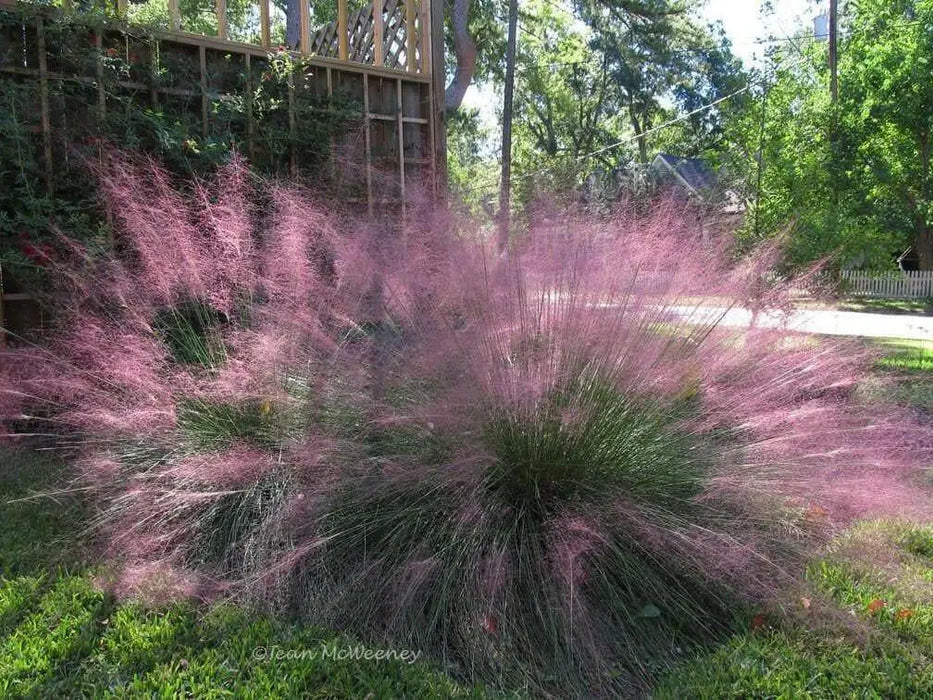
(464, 50)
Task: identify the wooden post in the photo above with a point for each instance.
(250, 145)
(44, 106)
(264, 30)
(379, 34)
(121, 8)
(400, 121)
(333, 143)
(205, 103)
(174, 15)
(222, 19)
(369, 145)
(438, 108)
(343, 32)
(425, 66)
(304, 17)
(292, 124)
(411, 64)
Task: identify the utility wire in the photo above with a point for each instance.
(630, 139)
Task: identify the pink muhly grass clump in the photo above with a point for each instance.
(549, 467)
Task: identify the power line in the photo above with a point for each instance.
(625, 141)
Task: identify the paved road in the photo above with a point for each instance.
(826, 322)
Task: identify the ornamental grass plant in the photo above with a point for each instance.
(552, 468)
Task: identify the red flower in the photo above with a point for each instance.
(876, 605)
(758, 622)
(903, 614)
(490, 624)
(40, 255)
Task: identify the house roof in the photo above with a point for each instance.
(692, 173)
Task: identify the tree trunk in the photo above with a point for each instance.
(505, 195)
(639, 135)
(465, 50)
(924, 245)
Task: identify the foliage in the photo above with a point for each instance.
(593, 83)
(655, 51)
(852, 180)
(40, 203)
(472, 176)
(886, 114)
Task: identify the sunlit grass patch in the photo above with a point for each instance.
(880, 573)
(884, 572)
(907, 355)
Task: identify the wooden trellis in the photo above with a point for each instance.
(395, 144)
(396, 38)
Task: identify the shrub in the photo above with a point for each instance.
(555, 468)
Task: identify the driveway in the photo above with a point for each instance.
(821, 321)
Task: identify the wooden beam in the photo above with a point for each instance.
(250, 128)
(174, 15)
(411, 65)
(369, 145)
(222, 19)
(401, 156)
(205, 102)
(264, 29)
(304, 18)
(379, 34)
(343, 32)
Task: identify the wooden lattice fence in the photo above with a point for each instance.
(394, 38)
(891, 285)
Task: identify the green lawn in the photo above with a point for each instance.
(61, 637)
(904, 375)
(907, 355)
(879, 577)
(891, 306)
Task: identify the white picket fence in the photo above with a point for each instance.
(890, 285)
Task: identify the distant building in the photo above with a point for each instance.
(691, 180)
(909, 261)
(692, 175)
